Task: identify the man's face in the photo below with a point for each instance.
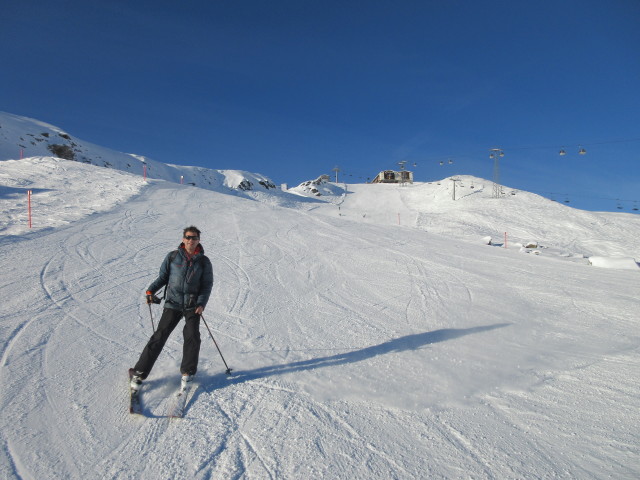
(191, 240)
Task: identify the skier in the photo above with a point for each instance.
(188, 276)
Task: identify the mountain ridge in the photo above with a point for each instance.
(461, 207)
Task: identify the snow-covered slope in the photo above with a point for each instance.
(525, 218)
(62, 192)
(22, 137)
(362, 349)
(468, 213)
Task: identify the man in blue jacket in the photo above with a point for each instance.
(188, 276)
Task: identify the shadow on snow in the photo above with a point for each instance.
(409, 342)
(16, 192)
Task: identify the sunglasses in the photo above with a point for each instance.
(191, 237)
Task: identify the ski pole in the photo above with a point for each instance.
(153, 325)
(228, 371)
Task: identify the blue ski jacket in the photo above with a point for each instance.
(189, 281)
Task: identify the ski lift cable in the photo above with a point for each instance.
(563, 148)
(582, 195)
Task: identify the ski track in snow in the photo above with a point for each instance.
(359, 351)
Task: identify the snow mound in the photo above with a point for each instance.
(320, 187)
(619, 263)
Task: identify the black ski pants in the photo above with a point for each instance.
(190, 347)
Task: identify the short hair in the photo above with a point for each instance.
(190, 229)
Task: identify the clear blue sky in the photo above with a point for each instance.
(293, 88)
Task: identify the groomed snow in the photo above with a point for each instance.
(363, 346)
(623, 263)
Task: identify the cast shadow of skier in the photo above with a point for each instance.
(409, 342)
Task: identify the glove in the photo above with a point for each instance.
(151, 298)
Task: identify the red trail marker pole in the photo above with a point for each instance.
(29, 206)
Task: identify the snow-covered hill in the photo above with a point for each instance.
(372, 333)
(469, 212)
(551, 228)
(22, 137)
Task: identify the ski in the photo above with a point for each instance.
(135, 405)
(177, 407)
